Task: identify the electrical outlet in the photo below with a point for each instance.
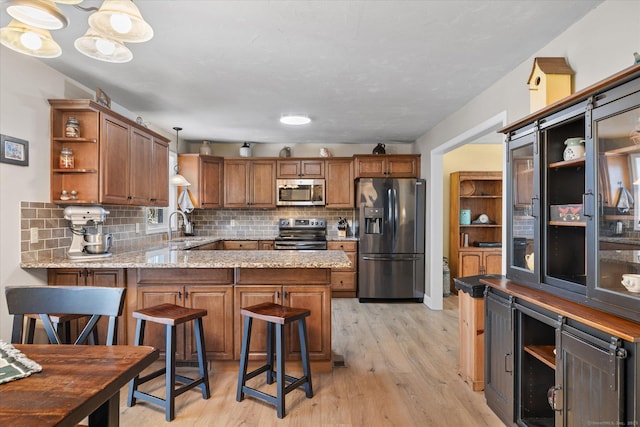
(34, 234)
(137, 227)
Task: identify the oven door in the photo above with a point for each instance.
(300, 245)
(300, 192)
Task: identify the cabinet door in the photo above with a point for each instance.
(217, 324)
(470, 263)
(339, 184)
(288, 169)
(370, 167)
(140, 167)
(246, 296)
(114, 161)
(210, 178)
(159, 186)
(492, 263)
(499, 361)
(312, 169)
(592, 382)
(66, 276)
(236, 183)
(619, 165)
(317, 299)
(523, 210)
(155, 333)
(403, 167)
(263, 184)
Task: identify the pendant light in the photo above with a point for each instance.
(102, 48)
(28, 40)
(177, 179)
(121, 20)
(37, 13)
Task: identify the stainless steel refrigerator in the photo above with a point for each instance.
(390, 228)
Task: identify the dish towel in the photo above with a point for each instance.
(625, 200)
(184, 201)
(14, 364)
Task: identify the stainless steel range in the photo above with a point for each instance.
(302, 234)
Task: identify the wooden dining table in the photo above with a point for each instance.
(77, 381)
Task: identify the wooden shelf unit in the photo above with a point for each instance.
(481, 193)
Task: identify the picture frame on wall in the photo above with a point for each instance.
(102, 98)
(14, 151)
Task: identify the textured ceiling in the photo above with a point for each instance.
(364, 71)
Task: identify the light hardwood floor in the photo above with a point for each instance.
(400, 370)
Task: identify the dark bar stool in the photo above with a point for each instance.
(276, 316)
(170, 315)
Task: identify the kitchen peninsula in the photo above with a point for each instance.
(221, 281)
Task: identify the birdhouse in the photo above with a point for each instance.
(550, 81)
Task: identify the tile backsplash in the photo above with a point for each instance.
(54, 235)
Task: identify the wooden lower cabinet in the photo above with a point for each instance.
(471, 340)
(211, 289)
(107, 277)
(293, 287)
(478, 261)
(344, 281)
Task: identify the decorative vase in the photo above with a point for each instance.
(379, 149)
(245, 150)
(205, 148)
(285, 152)
(574, 149)
(324, 152)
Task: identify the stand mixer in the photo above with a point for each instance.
(86, 226)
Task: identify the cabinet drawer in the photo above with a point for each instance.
(232, 245)
(342, 246)
(342, 281)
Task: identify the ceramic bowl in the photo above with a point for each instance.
(631, 282)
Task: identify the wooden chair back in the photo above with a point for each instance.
(91, 301)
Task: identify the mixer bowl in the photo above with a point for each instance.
(98, 243)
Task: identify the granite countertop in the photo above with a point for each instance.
(176, 255)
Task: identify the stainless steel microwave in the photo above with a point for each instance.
(300, 192)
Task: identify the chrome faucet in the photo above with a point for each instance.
(188, 227)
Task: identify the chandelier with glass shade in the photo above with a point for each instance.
(112, 25)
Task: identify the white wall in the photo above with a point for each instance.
(599, 45)
(25, 86)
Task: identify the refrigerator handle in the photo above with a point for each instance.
(390, 209)
(396, 212)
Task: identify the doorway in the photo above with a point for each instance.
(435, 227)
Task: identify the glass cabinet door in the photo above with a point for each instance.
(616, 136)
(524, 209)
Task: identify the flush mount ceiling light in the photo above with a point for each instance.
(102, 48)
(295, 119)
(121, 20)
(29, 40)
(37, 13)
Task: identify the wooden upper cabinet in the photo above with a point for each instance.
(294, 169)
(249, 183)
(114, 161)
(205, 173)
(387, 166)
(159, 186)
(339, 186)
(140, 157)
(117, 161)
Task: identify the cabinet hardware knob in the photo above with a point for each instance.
(179, 295)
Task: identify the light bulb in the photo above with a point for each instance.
(121, 23)
(31, 40)
(105, 47)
